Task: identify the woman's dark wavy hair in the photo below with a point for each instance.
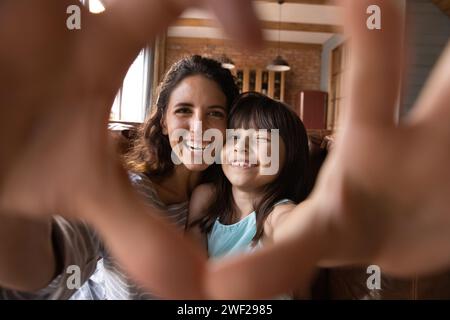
(257, 111)
(151, 152)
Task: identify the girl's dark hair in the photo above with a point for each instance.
(254, 110)
(151, 152)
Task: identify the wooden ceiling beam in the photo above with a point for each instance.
(269, 25)
(221, 42)
(318, 2)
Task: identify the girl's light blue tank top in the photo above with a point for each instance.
(224, 240)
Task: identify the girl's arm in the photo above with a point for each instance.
(240, 277)
(279, 224)
(276, 228)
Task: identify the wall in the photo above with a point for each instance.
(428, 30)
(427, 33)
(328, 47)
(304, 59)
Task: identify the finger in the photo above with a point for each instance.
(108, 43)
(112, 40)
(21, 63)
(433, 103)
(117, 35)
(239, 20)
(375, 62)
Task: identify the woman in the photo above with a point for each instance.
(195, 91)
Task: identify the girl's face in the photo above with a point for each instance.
(195, 105)
(245, 157)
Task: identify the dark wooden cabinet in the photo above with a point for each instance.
(311, 107)
(270, 83)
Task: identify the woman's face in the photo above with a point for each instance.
(195, 105)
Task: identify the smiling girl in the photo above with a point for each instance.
(242, 209)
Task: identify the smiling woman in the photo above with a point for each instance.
(190, 111)
(195, 89)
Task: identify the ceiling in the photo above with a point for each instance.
(302, 21)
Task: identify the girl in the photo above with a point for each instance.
(244, 207)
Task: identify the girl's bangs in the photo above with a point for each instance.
(251, 114)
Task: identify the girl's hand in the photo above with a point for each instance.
(383, 196)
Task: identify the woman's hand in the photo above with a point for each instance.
(56, 90)
(57, 87)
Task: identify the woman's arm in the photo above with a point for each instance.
(150, 248)
(66, 100)
(37, 257)
(26, 247)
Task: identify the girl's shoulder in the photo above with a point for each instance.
(208, 188)
(280, 211)
(205, 191)
(201, 199)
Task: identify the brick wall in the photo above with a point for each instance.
(304, 59)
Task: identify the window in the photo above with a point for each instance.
(133, 99)
(95, 6)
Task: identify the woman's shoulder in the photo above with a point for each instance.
(144, 185)
(137, 177)
(141, 180)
